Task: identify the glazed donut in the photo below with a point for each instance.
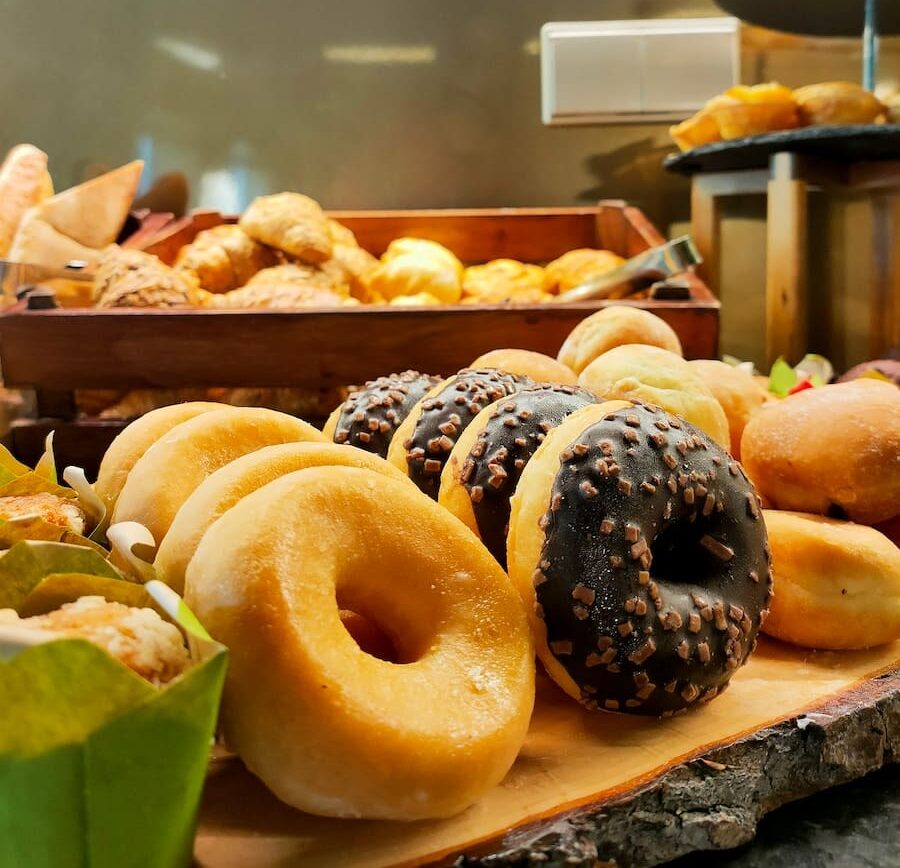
(485, 465)
(737, 393)
(124, 452)
(163, 478)
(422, 444)
(222, 489)
(612, 327)
(837, 583)
(635, 372)
(328, 728)
(370, 416)
(640, 547)
(833, 451)
(525, 363)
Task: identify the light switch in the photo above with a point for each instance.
(648, 70)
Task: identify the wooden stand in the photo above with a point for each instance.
(787, 183)
(594, 788)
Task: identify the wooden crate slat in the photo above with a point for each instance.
(118, 349)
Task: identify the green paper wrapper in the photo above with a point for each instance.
(97, 767)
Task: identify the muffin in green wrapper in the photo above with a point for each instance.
(108, 713)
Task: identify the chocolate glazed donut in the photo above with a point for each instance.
(445, 414)
(502, 449)
(369, 417)
(654, 575)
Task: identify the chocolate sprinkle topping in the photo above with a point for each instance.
(672, 576)
(459, 401)
(501, 452)
(370, 415)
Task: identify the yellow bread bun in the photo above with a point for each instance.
(837, 102)
(835, 448)
(735, 390)
(612, 327)
(526, 537)
(328, 728)
(541, 368)
(577, 266)
(222, 489)
(411, 266)
(164, 477)
(502, 280)
(837, 584)
(128, 447)
(635, 372)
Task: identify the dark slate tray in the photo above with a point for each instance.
(850, 144)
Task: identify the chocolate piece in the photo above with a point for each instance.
(370, 416)
(458, 402)
(501, 453)
(702, 605)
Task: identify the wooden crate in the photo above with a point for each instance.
(58, 351)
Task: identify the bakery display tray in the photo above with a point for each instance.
(853, 143)
(593, 788)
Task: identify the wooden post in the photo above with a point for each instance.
(884, 334)
(786, 273)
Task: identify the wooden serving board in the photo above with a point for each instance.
(591, 788)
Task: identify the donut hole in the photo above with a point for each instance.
(679, 556)
(378, 628)
(370, 637)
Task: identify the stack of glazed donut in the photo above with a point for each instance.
(383, 585)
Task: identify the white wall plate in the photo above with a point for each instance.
(595, 72)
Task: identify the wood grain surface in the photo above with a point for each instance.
(590, 788)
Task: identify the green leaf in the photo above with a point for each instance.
(46, 465)
(32, 482)
(97, 767)
(782, 377)
(57, 589)
(10, 468)
(35, 528)
(27, 563)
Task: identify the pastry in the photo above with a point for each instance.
(128, 447)
(832, 451)
(644, 373)
(132, 278)
(329, 728)
(422, 443)
(38, 243)
(526, 363)
(138, 638)
(51, 508)
(577, 266)
(741, 111)
(413, 265)
(420, 299)
(290, 286)
(611, 327)
(640, 548)
(234, 481)
(837, 584)
(162, 479)
(887, 368)
(837, 102)
(355, 265)
(340, 234)
(484, 467)
(224, 258)
(93, 213)
(370, 416)
(736, 391)
(290, 222)
(24, 182)
(504, 280)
